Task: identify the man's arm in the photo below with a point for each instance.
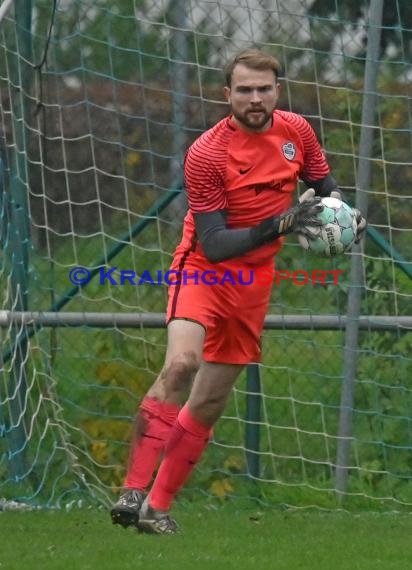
(324, 186)
(220, 243)
(315, 165)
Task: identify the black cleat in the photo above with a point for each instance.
(152, 521)
(126, 511)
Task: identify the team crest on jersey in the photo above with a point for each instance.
(289, 150)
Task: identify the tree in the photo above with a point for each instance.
(396, 35)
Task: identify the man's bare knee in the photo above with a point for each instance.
(181, 370)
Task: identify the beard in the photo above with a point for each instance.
(254, 119)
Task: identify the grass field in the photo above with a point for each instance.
(221, 539)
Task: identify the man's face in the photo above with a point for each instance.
(252, 96)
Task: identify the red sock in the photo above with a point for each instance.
(154, 421)
(186, 443)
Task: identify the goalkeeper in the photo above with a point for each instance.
(241, 177)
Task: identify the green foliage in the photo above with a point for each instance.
(333, 17)
(383, 397)
(102, 38)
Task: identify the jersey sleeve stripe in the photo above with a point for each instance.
(205, 166)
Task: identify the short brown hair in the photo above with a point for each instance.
(254, 59)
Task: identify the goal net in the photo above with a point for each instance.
(99, 101)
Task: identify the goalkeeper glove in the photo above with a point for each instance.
(360, 220)
(299, 218)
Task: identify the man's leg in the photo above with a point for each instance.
(188, 439)
(157, 414)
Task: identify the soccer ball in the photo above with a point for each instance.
(337, 233)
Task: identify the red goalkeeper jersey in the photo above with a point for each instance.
(250, 175)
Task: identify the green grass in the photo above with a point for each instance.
(221, 539)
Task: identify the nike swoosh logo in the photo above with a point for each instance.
(244, 170)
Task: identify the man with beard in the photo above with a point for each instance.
(240, 177)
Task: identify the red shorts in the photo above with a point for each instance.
(228, 300)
